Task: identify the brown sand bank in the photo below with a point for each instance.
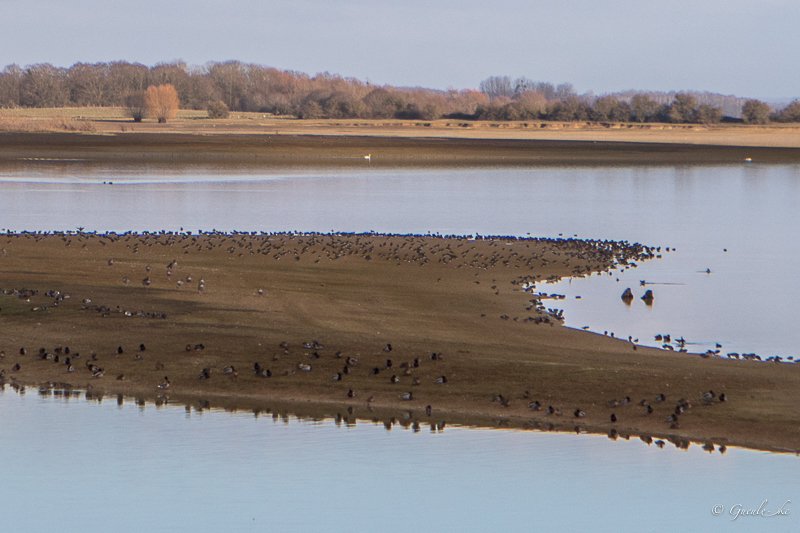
(267, 149)
(461, 299)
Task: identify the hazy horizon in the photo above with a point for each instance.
(735, 47)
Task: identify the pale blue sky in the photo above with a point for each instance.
(738, 47)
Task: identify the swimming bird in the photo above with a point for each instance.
(579, 414)
(387, 348)
(351, 393)
(267, 373)
(337, 377)
(535, 405)
(304, 367)
(613, 418)
(16, 368)
(660, 397)
(204, 374)
(394, 379)
(428, 410)
(407, 396)
(441, 379)
(165, 384)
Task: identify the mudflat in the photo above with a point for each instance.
(421, 329)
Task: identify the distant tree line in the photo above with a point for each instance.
(236, 86)
(523, 99)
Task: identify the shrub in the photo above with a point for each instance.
(217, 109)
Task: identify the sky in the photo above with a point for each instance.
(748, 48)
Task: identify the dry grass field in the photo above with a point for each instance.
(114, 120)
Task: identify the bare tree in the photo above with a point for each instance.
(643, 108)
(42, 85)
(162, 102)
(790, 113)
(682, 107)
(706, 114)
(496, 86)
(755, 112)
(10, 80)
(135, 105)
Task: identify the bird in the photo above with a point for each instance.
(337, 377)
(165, 384)
(612, 418)
(387, 348)
(407, 396)
(441, 379)
(394, 379)
(535, 405)
(368, 157)
(351, 394)
(16, 368)
(267, 373)
(204, 374)
(579, 413)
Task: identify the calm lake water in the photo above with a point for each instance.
(76, 465)
(82, 466)
(747, 303)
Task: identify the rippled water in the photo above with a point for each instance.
(747, 303)
(76, 465)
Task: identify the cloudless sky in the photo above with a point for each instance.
(743, 47)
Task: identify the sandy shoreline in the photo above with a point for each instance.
(354, 295)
